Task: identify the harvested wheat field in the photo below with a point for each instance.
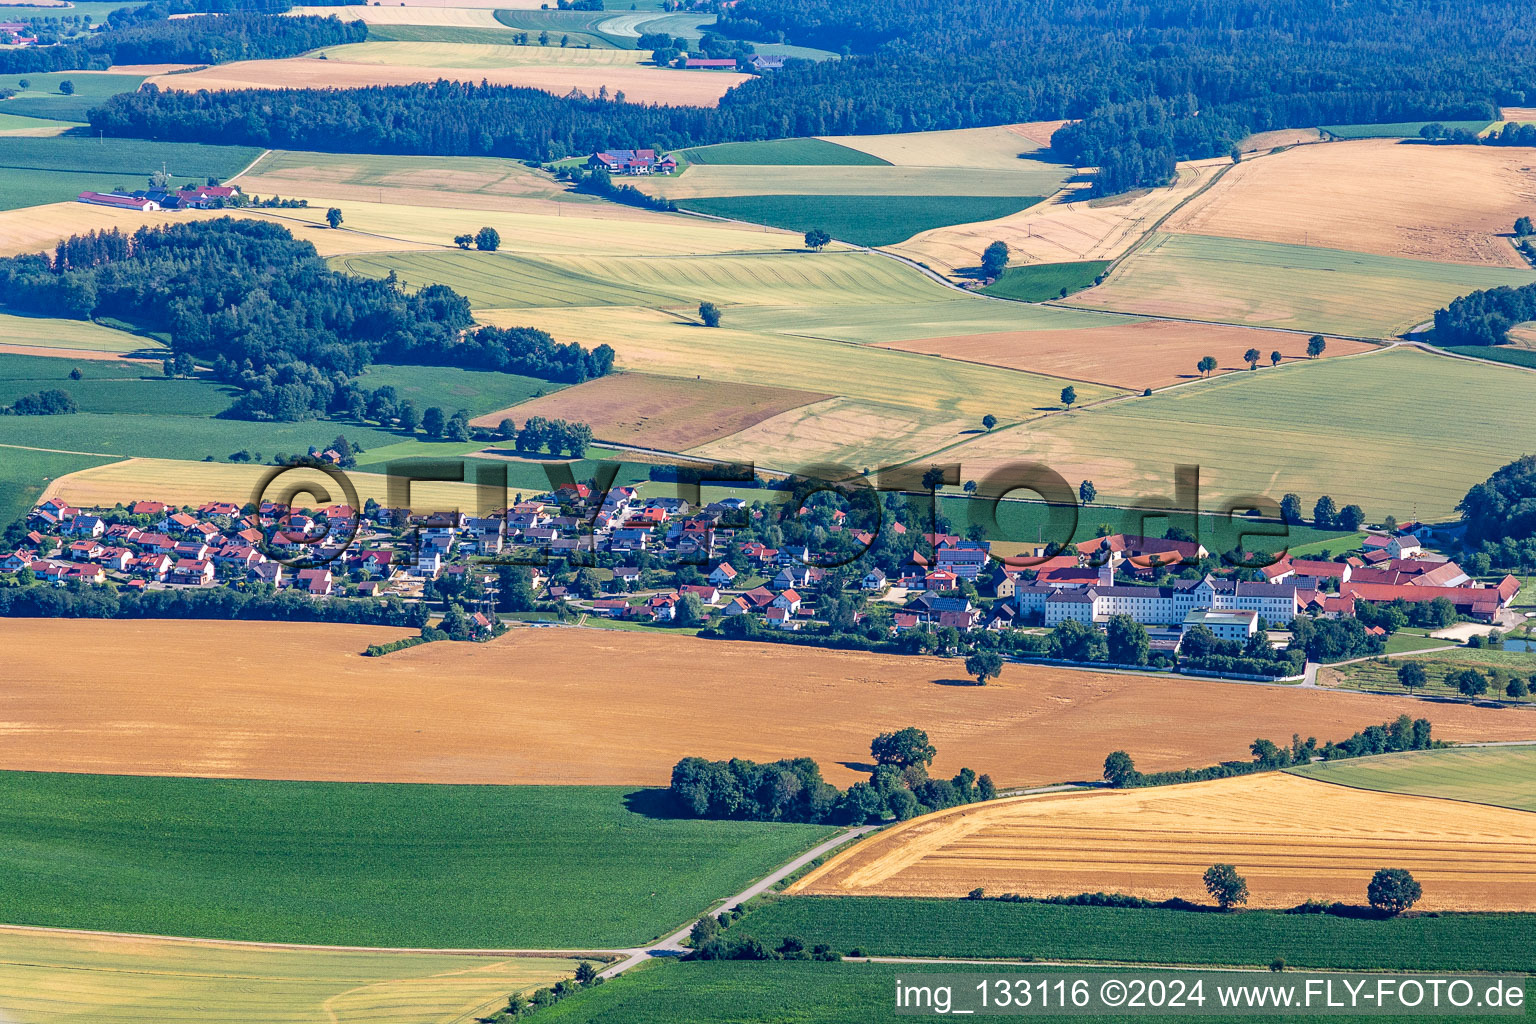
(1293, 839)
(1135, 354)
(576, 706)
(639, 84)
(479, 55)
(1063, 229)
(999, 147)
(1264, 141)
(49, 976)
(1520, 115)
(670, 413)
(179, 482)
(459, 15)
(36, 228)
(1445, 203)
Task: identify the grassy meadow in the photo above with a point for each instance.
(110, 386)
(1311, 428)
(986, 929)
(450, 388)
(54, 169)
(1396, 129)
(375, 865)
(52, 978)
(41, 97)
(1503, 776)
(77, 335)
(1268, 284)
(781, 152)
(860, 220)
(734, 992)
(1041, 281)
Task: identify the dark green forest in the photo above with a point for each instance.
(1152, 84)
(267, 313)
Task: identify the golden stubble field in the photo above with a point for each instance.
(593, 706)
(639, 84)
(1293, 839)
(1383, 196)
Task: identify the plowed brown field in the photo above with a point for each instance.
(589, 706)
(672, 413)
(1136, 354)
(1292, 839)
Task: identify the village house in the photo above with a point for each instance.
(632, 161)
(723, 575)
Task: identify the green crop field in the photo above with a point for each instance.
(1501, 776)
(97, 10)
(1267, 284)
(109, 387)
(436, 866)
(1498, 353)
(946, 315)
(736, 992)
(49, 977)
(1499, 666)
(745, 181)
(861, 220)
(1399, 129)
(440, 34)
(58, 168)
(24, 474)
(1311, 428)
(987, 928)
(801, 152)
(506, 281)
(19, 123)
(449, 388)
(1042, 281)
(42, 98)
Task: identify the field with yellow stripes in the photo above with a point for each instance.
(53, 977)
(1293, 839)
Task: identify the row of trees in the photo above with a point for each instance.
(557, 435)
(270, 316)
(793, 790)
(258, 602)
(1391, 891)
(1326, 514)
(1402, 733)
(148, 35)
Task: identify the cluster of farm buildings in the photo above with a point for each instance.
(392, 552)
(16, 33)
(192, 197)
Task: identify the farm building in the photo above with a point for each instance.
(711, 63)
(632, 161)
(142, 204)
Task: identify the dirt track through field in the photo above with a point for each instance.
(1292, 839)
(588, 706)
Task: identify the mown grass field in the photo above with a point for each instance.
(477, 55)
(52, 978)
(380, 865)
(508, 281)
(110, 386)
(78, 335)
(1380, 674)
(1311, 428)
(746, 180)
(1503, 776)
(733, 992)
(604, 28)
(1002, 147)
(1041, 281)
(1497, 353)
(1268, 284)
(1396, 129)
(982, 928)
(781, 152)
(34, 171)
(172, 436)
(450, 388)
(42, 98)
(601, 229)
(857, 219)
